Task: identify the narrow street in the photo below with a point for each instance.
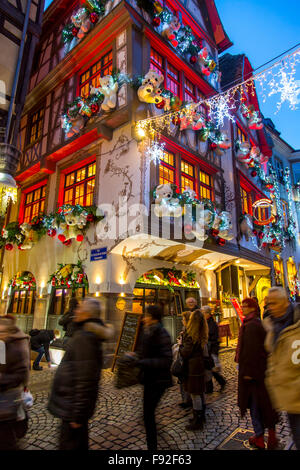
(118, 425)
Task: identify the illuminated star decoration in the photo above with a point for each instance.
(155, 152)
(288, 87)
(220, 108)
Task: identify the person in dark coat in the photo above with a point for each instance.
(14, 371)
(40, 342)
(213, 348)
(154, 358)
(67, 320)
(75, 385)
(186, 398)
(252, 393)
(192, 350)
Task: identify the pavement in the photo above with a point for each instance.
(118, 420)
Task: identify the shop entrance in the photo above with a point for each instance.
(22, 292)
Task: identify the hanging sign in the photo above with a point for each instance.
(263, 203)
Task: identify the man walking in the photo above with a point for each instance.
(75, 386)
(283, 344)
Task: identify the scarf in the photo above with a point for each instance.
(280, 323)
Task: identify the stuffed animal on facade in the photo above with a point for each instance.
(149, 91)
(70, 228)
(223, 223)
(81, 20)
(165, 203)
(108, 88)
(209, 217)
(246, 226)
(30, 236)
(169, 30)
(76, 125)
(225, 142)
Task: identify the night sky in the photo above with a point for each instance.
(263, 30)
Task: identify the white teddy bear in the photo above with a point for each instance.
(149, 91)
(225, 226)
(165, 203)
(108, 87)
(246, 227)
(208, 219)
(169, 30)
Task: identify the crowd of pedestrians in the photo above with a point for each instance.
(267, 356)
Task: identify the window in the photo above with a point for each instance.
(279, 169)
(167, 168)
(157, 62)
(79, 186)
(60, 298)
(285, 213)
(189, 91)
(90, 78)
(173, 84)
(36, 126)
(246, 201)
(206, 187)
(22, 302)
(241, 136)
(34, 203)
(187, 176)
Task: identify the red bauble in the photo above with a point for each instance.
(174, 43)
(214, 232)
(90, 218)
(53, 282)
(254, 232)
(79, 237)
(52, 233)
(67, 242)
(176, 121)
(253, 173)
(264, 245)
(20, 247)
(161, 104)
(156, 22)
(193, 59)
(75, 31)
(8, 246)
(274, 241)
(260, 235)
(94, 17)
(221, 241)
(188, 229)
(213, 145)
(94, 108)
(61, 237)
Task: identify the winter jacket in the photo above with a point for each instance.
(252, 361)
(283, 370)
(15, 372)
(155, 356)
(192, 354)
(213, 336)
(68, 324)
(75, 385)
(39, 338)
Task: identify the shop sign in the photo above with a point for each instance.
(99, 254)
(237, 308)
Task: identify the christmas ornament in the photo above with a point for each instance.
(8, 246)
(94, 17)
(156, 21)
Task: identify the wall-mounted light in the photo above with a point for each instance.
(98, 282)
(42, 288)
(3, 292)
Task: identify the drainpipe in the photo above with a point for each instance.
(17, 72)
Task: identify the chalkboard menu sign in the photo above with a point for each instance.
(178, 303)
(129, 334)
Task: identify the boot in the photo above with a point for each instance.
(202, 414)
(185, 404)
(273, 442)
(257, 441)
(37, 367)
(197, 422)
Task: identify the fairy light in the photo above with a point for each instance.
(287, 87)
(291, 229)
(155, 152)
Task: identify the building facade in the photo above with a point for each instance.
(82, 148)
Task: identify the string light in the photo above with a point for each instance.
(155, 152)
(288, 87)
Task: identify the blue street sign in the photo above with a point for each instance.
(98, 254)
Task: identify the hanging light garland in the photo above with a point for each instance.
(277, 79)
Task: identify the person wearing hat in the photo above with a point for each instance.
(251, 357)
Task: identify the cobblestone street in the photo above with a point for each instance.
(118, 424)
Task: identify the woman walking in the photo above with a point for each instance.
(252, 393)
(193, 342)
(186, 398)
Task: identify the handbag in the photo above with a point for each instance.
(127, 374)
(10, 401)
(178, 365)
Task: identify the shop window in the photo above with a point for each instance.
(79, 185)
(278, 270)
(206, 186)
(36, 122)
(60, 298)
(246, 200)
(167, 168)
(292, 276)
(90, 78)
(285, 208)
(187, 176)
(22, 302)
(34, 203)
(241, 136)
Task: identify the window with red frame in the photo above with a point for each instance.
(90, 78)
(206, 186)
(187, 176)
(34, 203)
(241, 135)
(171, 74)
(167, 168)
(246, 199)
(79, 185)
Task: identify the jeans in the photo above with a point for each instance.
(294, 420)
(256, 418)
(73, 439)
(152, 395)
(41, 351)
